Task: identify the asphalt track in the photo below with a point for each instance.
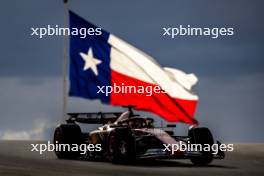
(16, 159)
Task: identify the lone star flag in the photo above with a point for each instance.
(105, 60)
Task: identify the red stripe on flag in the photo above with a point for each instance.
(170, 108)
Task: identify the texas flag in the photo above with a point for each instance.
(106, 60)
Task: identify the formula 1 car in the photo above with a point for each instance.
(126, 137)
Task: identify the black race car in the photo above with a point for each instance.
(126, 137)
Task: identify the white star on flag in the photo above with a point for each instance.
(90, 61)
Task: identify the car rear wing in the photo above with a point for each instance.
(93, 118)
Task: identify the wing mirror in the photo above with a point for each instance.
(171, 125)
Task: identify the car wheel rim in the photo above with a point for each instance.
(57, 136)
(111, 145)
(123, 148)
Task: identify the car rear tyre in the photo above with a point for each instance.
(121, 147)
(69, 135)
(201, 136)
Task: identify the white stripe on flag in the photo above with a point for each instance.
(132, 62)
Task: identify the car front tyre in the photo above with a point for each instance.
(201, 136)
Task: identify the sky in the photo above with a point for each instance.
(230, 68)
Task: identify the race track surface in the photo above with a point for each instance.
(16, 159)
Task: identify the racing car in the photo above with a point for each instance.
(126, 136)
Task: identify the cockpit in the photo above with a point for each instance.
(134, 121)
(137, 122)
